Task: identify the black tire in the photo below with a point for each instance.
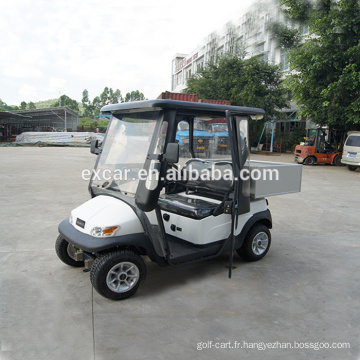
(117, 275)
(63, 250)
(310, 161)
(352, 167)
(256, 244)
(337, 160)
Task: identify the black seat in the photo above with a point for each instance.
(186, 206)
(206, 169)
(217, 189)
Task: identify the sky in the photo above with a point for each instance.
(57, 47)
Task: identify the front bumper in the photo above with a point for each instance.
(222, 147)
(299, 159)
(93, 244)
(350, 161)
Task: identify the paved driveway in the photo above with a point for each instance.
(304, 294)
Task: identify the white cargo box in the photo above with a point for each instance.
(276, 178)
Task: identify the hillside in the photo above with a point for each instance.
(45, 103)
(48, 103)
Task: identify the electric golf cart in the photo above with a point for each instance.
(149, 201)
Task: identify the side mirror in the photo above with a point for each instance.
(172, 153)
(95, 147)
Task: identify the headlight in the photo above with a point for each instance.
(185, 141)
(108, 231)
(97, 231)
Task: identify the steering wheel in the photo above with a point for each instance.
(171, 185)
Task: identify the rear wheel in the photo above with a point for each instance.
(256, 244)
(65, 251)
(351, 167)
(310, 161)
(117, 275)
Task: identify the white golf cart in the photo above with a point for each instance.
(147, 201)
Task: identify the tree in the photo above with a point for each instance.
(104, 97)
(287, 37)
(325, 68)
(23, 105)
(115, 96)
(6, 107)
(85, 98)
(250, 82)
(3, 106)
(66, 101)
(134, 96)
(88, 108)
(31, 106)
(96, 103)
(108, 96)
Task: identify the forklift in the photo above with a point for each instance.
(148, 202)
(321, 146)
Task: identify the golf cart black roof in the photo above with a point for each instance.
(183, 106)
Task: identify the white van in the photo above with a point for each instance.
(351, 153)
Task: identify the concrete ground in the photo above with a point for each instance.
(304, 293)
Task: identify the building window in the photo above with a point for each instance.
(257, 36)
(260, 48)
(240, 44)
(264, 57)
(178, 78)
(304, 29)
(284, 62)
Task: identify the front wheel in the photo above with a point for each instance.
(65, 252)
(117, 275)
(256, 244)
(310, 161)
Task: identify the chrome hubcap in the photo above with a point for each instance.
(122, 277)
(260, 243)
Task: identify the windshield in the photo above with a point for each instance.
(183, 126)
(219, 128)
(198, 125)
(353, 141)
(125, 151)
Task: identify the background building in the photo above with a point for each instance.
(48, 119)
(251, 32)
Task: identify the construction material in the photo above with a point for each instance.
(58, 138)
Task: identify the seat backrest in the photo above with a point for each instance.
(209, 175)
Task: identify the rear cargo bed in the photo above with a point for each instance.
(276, 178)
